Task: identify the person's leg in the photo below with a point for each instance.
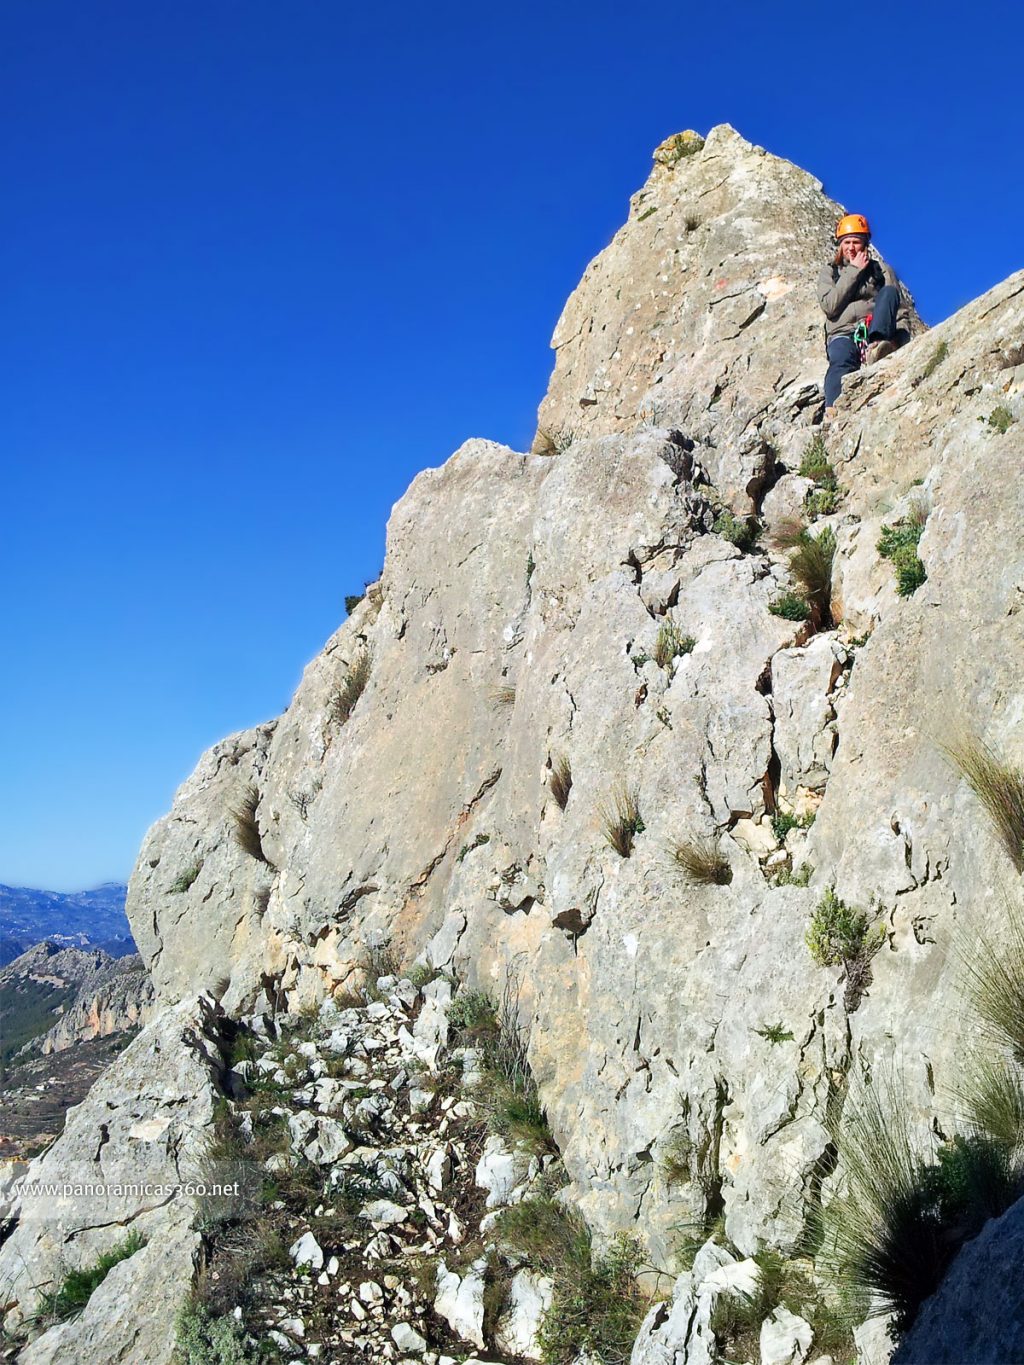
(843, 359)
(883, 315)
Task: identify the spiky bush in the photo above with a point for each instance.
(621, 820)
(246, 828)
(810, 564)
(892, 1235)
(560, 781)
(998, 785)
(993, 974)
(347, 692)
(702, 862)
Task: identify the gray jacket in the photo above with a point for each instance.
(847, 296)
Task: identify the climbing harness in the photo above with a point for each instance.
(860, 337)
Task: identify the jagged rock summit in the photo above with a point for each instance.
(573, 667)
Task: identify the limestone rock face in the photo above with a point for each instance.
(579, 612)
(115, 1166)
(701, 313)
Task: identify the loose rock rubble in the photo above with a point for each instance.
(391, 1259)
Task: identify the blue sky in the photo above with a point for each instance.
(265, 261)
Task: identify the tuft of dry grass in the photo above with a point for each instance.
(998, 785)
(702, 862)
(346, 693)
(994, 972)
(246, 827)
(552, 442)
(500, 697)
(621, 820)
(560, 781)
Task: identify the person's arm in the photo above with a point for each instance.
(903, 311)
(835, 295)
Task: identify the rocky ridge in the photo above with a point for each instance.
(601, 615)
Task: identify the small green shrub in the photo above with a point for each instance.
(621, 820)
(476, 843)
(815, 464)
(702, 862)
(352, 601)
(774, 1033)
(560, 781)
(783, 821)
(472, 1013)
(185, 878)
(821, 502)
(742, 532)
(837, 934)
(75, 1290)
(507, 1091)
(676, 1158)
(344, 695)
(898, 544)
(935, 360)
(202, 1339)
(670, 644)
(801, 876)
(998, 785)
(1001, 419)
(790, 606)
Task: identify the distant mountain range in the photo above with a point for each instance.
(74, 919)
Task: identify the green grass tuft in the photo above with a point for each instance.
(77, 1287)
(670, 644)
(998, 785)
(935, 360)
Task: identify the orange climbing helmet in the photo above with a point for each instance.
(852, 223)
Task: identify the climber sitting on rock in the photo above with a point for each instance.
(867, 314)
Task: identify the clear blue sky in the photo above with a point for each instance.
(264, 261)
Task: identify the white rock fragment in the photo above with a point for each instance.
(307, 1251)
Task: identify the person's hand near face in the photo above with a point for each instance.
(855, 252)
